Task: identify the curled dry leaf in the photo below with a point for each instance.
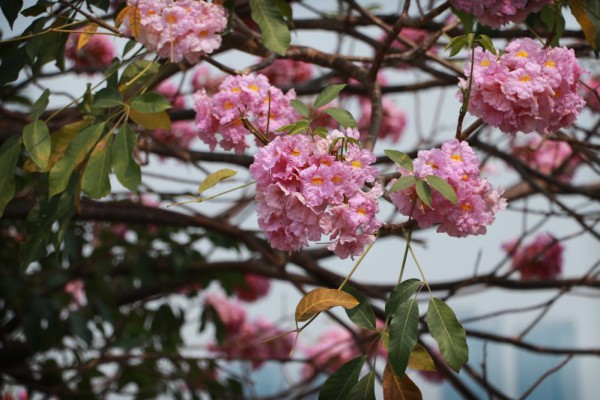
(322, 299)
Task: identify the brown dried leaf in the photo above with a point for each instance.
(396, 388)
(122, 15)
(322, 299)
(135, 21)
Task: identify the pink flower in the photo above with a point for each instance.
(255, 287)
(230, 313)
(477, 202)
(283, 72)
(77, 291)
(495, 13)
(203, 79)
(244, 96)
(526, 89)
(306, 187)
(335, 348)
(550, 157)
(179, 29)
(96, 55)
(539, 260)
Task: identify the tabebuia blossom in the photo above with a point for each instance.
(203, 78)
(253, 288)
(335, 347)
(284, 72)
(178, 29)
(247, 340)
(550, 157)
(96, 55)
(528, 88)
(393, 121)
(495, 13)
(182, 133)
(477, 201)
(539, 260)
(312, 186)
(243, 96)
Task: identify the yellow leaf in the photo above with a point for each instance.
(322, 299)
(86, 35)
(420, 359)
(216, 177)
(578, 9)
(122, 15)
(396, 388)
(30, 167)
(61, 138)
(135, 21)
(157, 120)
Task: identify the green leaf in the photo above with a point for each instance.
(285, 8)
(300, 108)
(96, 181)
(362, 315)
(40, 105)
(487, 43)
(126, 169)
(364, 389)
(129, 46)
(275, 33)
(403, 335)
(150, 102)
(420, 359)
(338, 385)
(36, 138)
(403, 183)
(328, 95)
(107, 98)
(456, 44)
(423, 192)
(448, 333)
(216, 177)
(78, 326)
(342, 116)
(75, 154)
(401, 293)
(321, 132)
(296, 127)
(400, 158)
(11, 10)
(468, 20)
(9, 157)
(442, 187)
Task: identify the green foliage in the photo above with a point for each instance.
(40, 105)
(342, 116)
(216, 177)
(300, 108)
(448, 333)
(36, 138)
(150, 102)
(9, 157)
(402, 183)
(403, 335)
(339, 385)
(11, 10)
(364, 389)
(275, 33)
(107, 98)
(400, 158)
(362, 315)
(423, 192)
(96, 182)
(328, 95)
(442, 187)
(76, 152)
(124, 165)
(400, 294)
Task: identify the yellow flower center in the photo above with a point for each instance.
(236, 90)
(295, 153)
(252, 86)
(466, 207)
(317, 180)
(361, 211)
(433, 165)
(522, 53)
(356, 164)
(203, 34)
(550, 64)
(336, 179)
(525, 78)
(228, 105)
(485, 63)
(464, 177)
(456, 157)
(171, 19)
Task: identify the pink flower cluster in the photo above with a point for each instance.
(244, 339)
(249, 96)
(392, 123)
(528, 88)
(495, 13)
(202, 78)
(477, 202)
(548, 156)
(335, 348)
(305, 188)
(255, 287)
(182, 133)
(283, 72)
(591, 97)
(539, 260)
(179, 29)
(96, 55)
